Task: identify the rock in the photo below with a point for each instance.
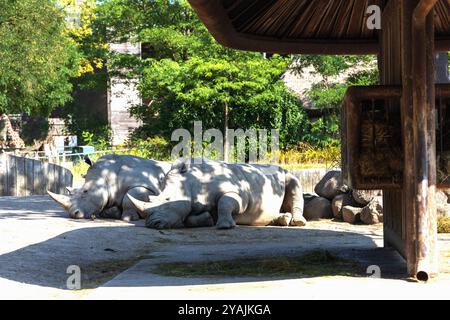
(443, 207)
(363, 197)
(351, 214)
(331, 185)
(318, 208)
(308, 197)
(443, 210)
(446, 192)
(372, 213)
(340, 201)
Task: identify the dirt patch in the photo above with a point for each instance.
(99, 272)
(312, 264)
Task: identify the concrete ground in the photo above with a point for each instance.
(117, 260)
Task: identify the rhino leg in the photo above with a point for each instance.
(111, 213)
(293, 201)
(199, 221)
(228, 205)
(129, 212)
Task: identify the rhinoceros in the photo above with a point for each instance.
(194, 195)
(106, 184)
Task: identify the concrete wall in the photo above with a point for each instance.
(309, 178)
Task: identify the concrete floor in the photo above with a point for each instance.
(38, 243)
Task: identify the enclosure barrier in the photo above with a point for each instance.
(21, 176)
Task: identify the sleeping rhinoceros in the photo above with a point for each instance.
(106, 184)
(196, 194)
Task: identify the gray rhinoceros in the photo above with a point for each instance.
(195, 195)
(106, 184)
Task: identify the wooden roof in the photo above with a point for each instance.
(302, 26)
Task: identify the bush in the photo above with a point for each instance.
(156, 148)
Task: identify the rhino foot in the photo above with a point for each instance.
(284, 220)
(298, 221)
(128, 216)
(202, 220)
(223, 224)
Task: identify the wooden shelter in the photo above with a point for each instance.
(412, 31)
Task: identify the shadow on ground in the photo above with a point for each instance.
(104, 252)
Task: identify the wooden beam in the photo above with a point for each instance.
(422, 11)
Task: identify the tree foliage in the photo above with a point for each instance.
(37, 58)
(187, 76)
(327, 95)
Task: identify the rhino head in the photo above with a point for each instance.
(172, 206)
(86, 202)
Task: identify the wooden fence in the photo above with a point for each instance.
(24, 177)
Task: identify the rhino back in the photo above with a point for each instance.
(261, 193)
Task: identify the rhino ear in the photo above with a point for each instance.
(180, 166)
(88, 161)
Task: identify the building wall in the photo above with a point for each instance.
(122, 95)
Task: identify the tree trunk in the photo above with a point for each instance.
(226, 145)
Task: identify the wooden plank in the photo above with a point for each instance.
(61, 187)
(39, 183)
(21, 177)
(55, 178)
(68, 178)
(50, 177)
(391, 63)
(12, 177)
(29, 174)
(3, 179)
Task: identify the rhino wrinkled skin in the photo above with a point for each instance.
(198, 195)
(106, 184)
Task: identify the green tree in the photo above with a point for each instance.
(37, 57)
(328, 94)
(237, 94)
(187, 76)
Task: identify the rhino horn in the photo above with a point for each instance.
(140, 206)
(64, 201)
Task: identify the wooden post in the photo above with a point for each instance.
(407, 58)
(424, 263)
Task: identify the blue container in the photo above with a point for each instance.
(85, 150)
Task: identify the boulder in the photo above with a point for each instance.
(341, 201)
(318, 208)
(372, 213)
(443, 207)
(331, 185)
(308, 197)
(363, 197)
(351, 214)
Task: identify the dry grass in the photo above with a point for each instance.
(444, 224)
(315, 264)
